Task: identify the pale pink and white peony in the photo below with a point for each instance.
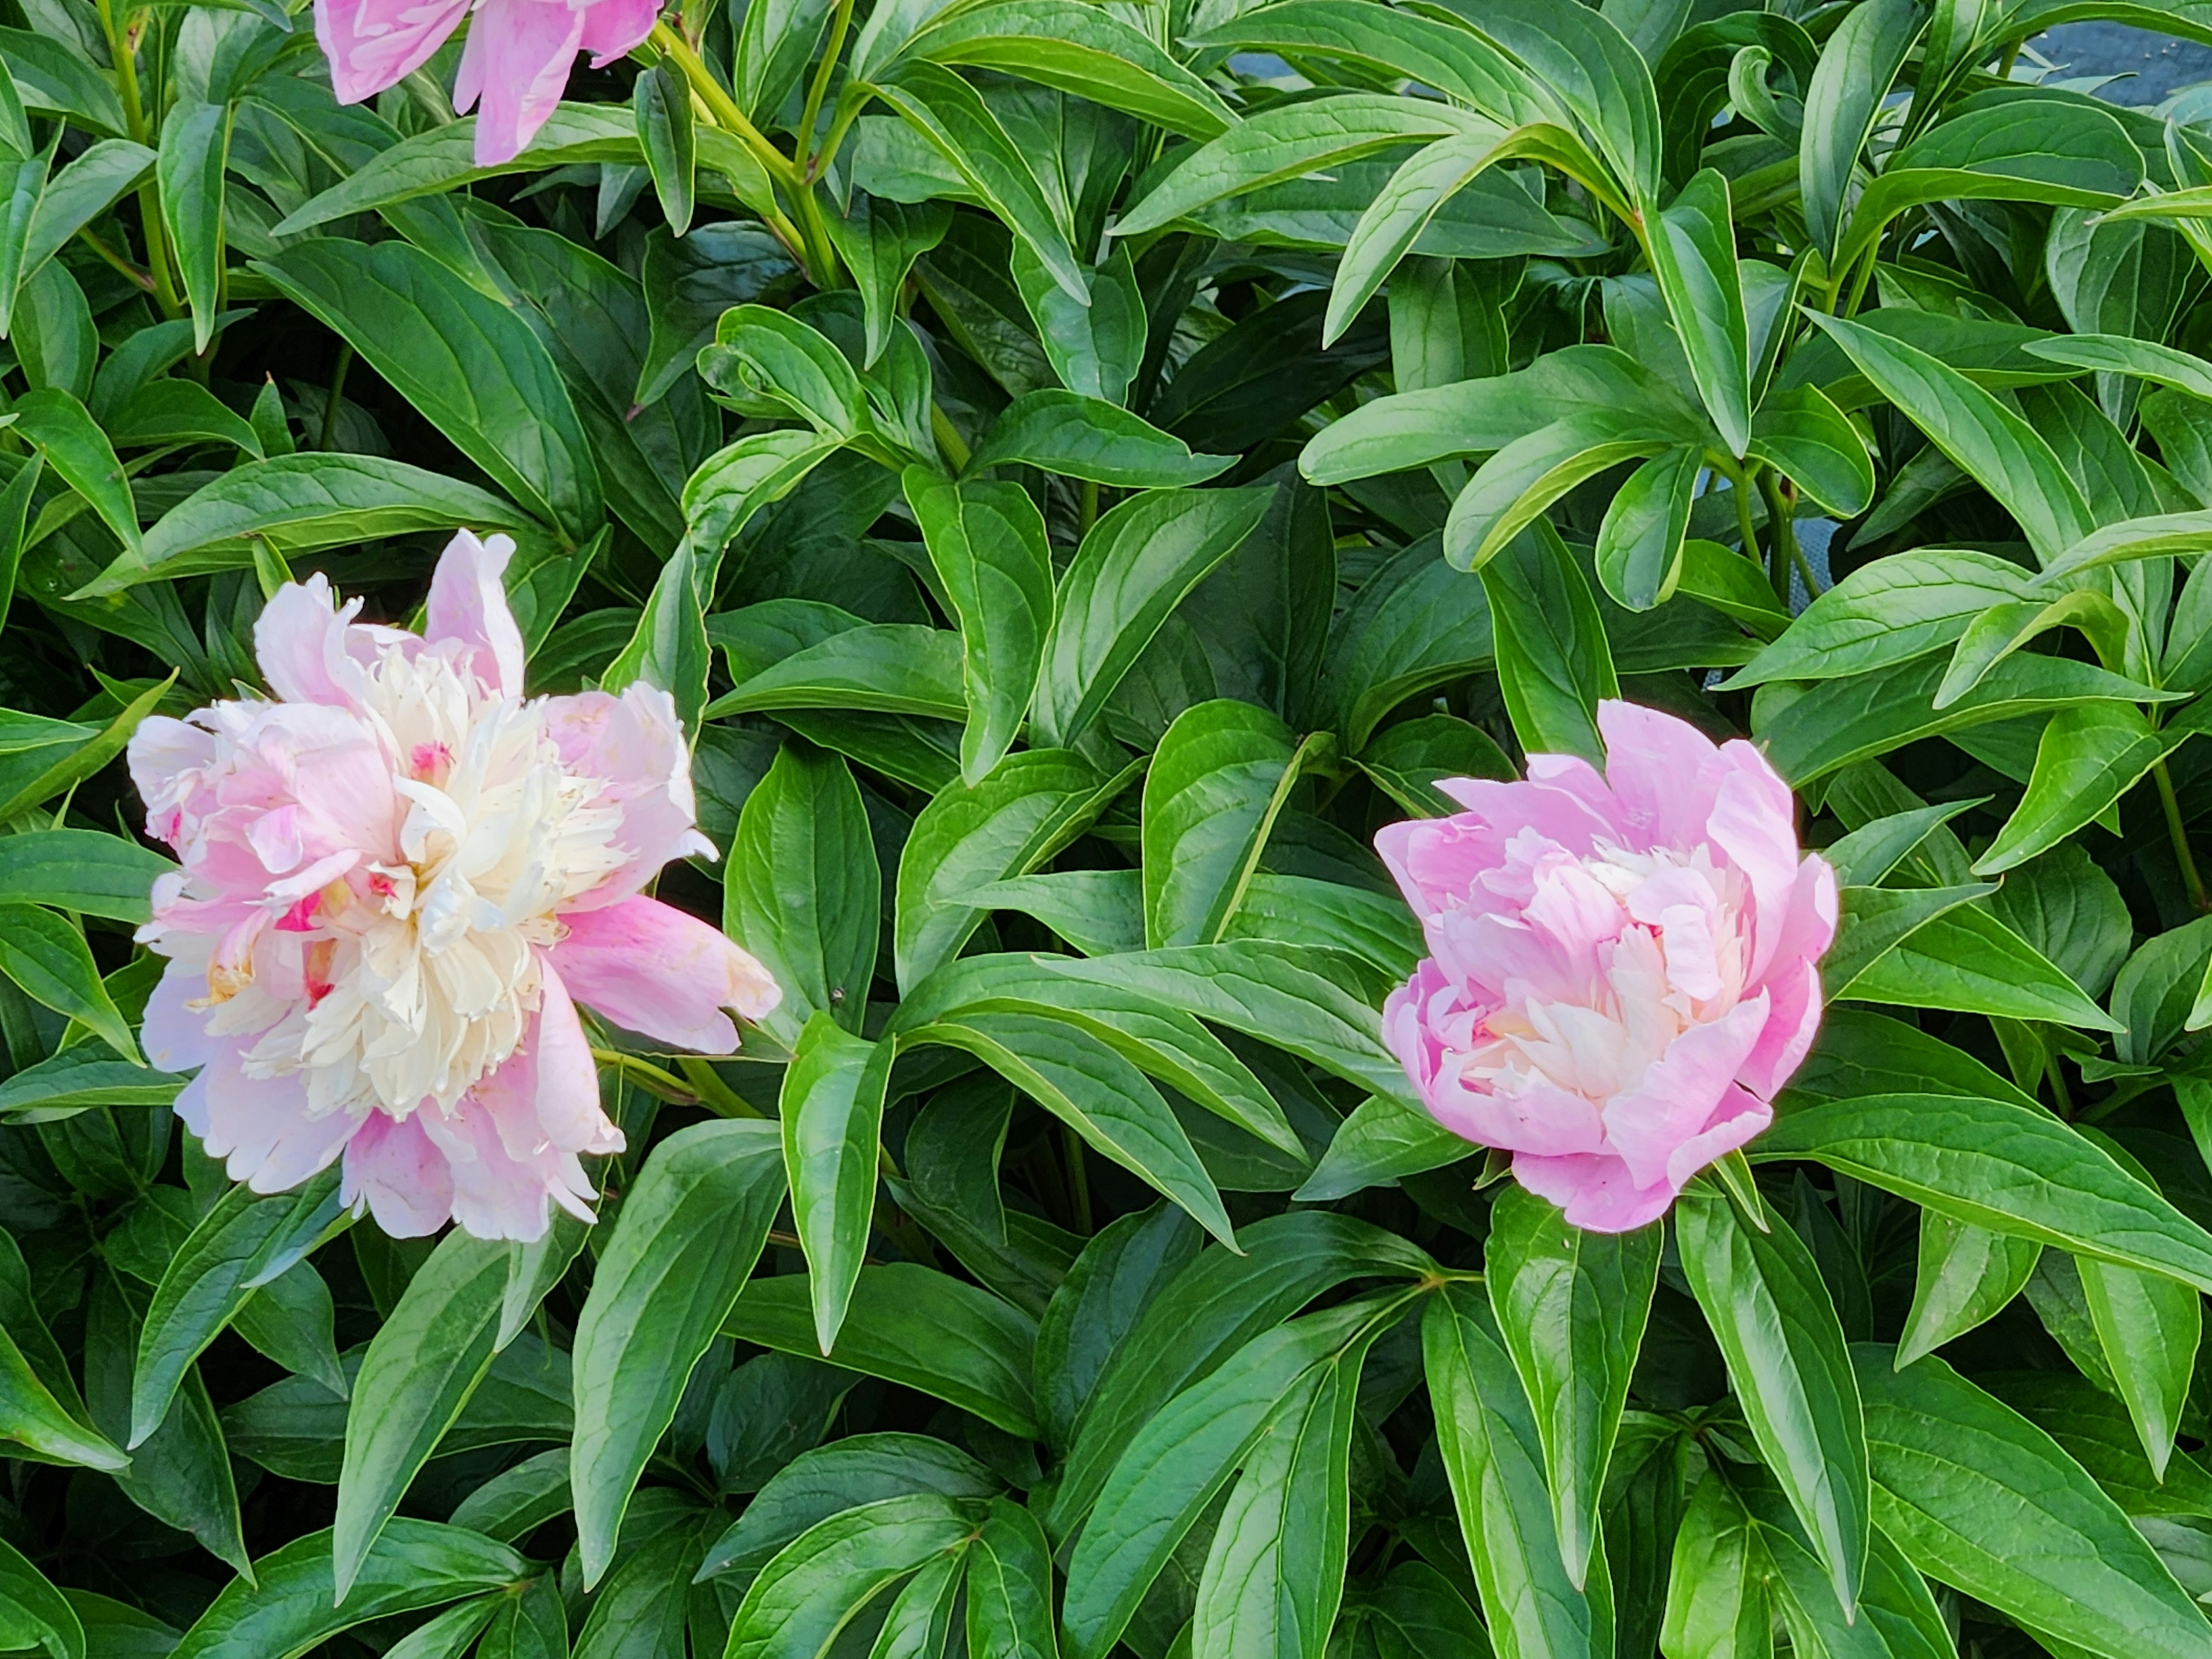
(399, 876)
(1623, 967)
(516, 59)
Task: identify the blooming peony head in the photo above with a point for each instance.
(399, 876)
(516, 61)
(1622, 967)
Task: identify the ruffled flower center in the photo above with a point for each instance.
(1635, 948)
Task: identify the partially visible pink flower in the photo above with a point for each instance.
(396, 877)
(516, 61)
(1622, 970)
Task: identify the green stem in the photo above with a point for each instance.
(2061, 1098)
(336, 395)
(130, 273)
(149, 193)
(1782, 553)
(1078, 1180)
(723, 107)
(839, 22)
(1740, 492)
(850, 105)
(2179, 832)
(949, 441)
(1087, 508)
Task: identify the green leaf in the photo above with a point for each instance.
(85, 870)
(37, 1612)
(1401, 211)
(471, 367)
(1978, 1498)
(1773, 1319)
(1456, 61)
(1694, 256)
(811, 1591)
(293, 1608)
(83, 1074)
(775, 357)
(1089, 1085)
(1967, 960)
(31, 1416)
(2149, 1326)
(1717, 1605)
(879, 240)
(1554, 665)
(1212, 794)
(913, 1326)
(897, 668)
(1511, 489)
(304, 503)
(1010, 1586)
(669, 649)
(2001, 1165)
(1095, 348)
(57, 426)
(1802, 433)
(195, 155)
(1849, 88)
(1967, 1275)
(1583, 58)
(1416, 623)
(1491, 1452)
(1572, 1307)
(1290, 142)
(988, 544)
(1032, 805)
(1180, 1460)
(422, 1366)
(832, 1108)
(2087, 758)
(244, 1242)
(2095, 1431)
(1206, 1313)
(1986, 439)
(688, 1234)
(802, 891)
(1888, 611)
(1085, 437)
(952, 117)
(1081, 50)
(1132, 570)
(1639, 543)
(733, 483)
(46, 956)
(660, 102)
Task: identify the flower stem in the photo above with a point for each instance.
(839, 22)
(336, 396)
(1078, 1180)
(2179, 832)
(120, 49)
(723, 107)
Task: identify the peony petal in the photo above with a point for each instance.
(467, 604)
(1753, 822)
(174, 1036)
(547, 1091)
(259, 1126)
(402, 1174)
(634, 743)
(1593, 1190)
(651, 967)
(374, 44)
(299, 639)
(517, 59)
(1653, 764)
(1791, 1023)
(1679, 1092)
(613, 29)
(1740, 1119)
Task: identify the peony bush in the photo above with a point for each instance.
(1025, 828)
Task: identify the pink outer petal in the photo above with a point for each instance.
(165, 757)
(1679, 1092)
(517, 59)
(648, 966)
(259, 1126)
(1652, 765)
(301, 642)
(1595, 1191)
(1543, 1118)
(547, 1091)
(374, 44)
(402, 1174)
(467, 604)
(1740, 1119)
(613, 27)
(175, 1037)
(635, 743)
(1753, 821)
(1791, 1023)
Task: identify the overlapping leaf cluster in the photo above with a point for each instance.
(1080, 468)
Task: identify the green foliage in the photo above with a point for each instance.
(1080, 470)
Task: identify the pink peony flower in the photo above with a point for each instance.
(1623, 971)
(396, 878)
(517, 59)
